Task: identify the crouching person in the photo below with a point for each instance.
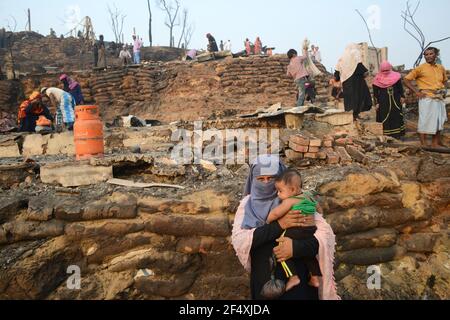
(33, 113)
(65, 105)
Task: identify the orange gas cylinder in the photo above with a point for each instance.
(88, 133)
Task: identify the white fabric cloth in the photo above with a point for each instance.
(55, 93)
(227, 46)
(125, 54)
(318, 56)
(349, 61)
(432, 116)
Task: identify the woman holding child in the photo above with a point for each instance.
(255, 238)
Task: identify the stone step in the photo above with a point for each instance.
(155, 286)
(75, 174)
(100, 250)
(107, 228)
(71, 209)
(371, 256)
(216, 225)
(166, 262)
(18, 231)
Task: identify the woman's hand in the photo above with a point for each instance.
(294, 219)
(290, 220)
(307, 221)
(285, 249)
(402, 100)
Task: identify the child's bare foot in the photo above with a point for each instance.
(314, 282)
(293, 282)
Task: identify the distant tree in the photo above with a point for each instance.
(11, 28)
(184, 26)
(409, 22)
(117, 20)
(10, 39)
(171, 8)
(371, 40)
(188, 35)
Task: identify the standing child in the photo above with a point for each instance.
(289, 186)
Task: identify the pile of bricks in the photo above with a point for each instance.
(332, 149)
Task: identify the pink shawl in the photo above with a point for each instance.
(386, 77)
(242, 242)
(248, 48)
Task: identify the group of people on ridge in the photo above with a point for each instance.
(124, 55)
(255, 48)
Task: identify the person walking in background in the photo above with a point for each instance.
(125, 56)
(72, 87)
(228, 45)
(318, 55)
(137, 45)
(258, 46)
(312, 53)
(212, 44)
(221, 45)
(101, 53)
(248, 47)
(95, 50)
(389, 98)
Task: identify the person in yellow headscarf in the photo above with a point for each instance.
(29, 112)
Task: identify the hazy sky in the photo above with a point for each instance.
(283, 24)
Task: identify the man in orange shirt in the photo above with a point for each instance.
(431, 80)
